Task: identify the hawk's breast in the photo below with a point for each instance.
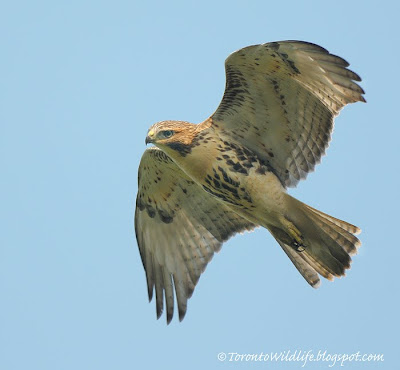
(230, 173)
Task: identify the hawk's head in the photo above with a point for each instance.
(172, 135)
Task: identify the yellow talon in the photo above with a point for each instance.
(292, 231)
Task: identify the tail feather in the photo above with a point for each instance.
(342, 224)
(309, 273)
(327, 242)
(318, 267)
(306, 264)
(338, 232)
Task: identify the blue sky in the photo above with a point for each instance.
(81, 83)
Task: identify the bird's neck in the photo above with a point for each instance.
(196, 157)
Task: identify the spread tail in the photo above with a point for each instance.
(315, 242)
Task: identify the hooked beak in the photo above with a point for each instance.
(149, 137)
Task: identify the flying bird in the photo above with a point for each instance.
(203, 183)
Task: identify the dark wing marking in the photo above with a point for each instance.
(280, 101)
(178, 228)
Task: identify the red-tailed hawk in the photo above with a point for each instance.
(203, 183)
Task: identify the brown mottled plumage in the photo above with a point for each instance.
(204, 183)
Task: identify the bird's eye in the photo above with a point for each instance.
(167, 133)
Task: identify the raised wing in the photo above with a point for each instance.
(280, 101)
(178, 228)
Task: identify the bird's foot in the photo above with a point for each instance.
(294, 233)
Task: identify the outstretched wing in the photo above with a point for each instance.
(280, 101)
(178, 228)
